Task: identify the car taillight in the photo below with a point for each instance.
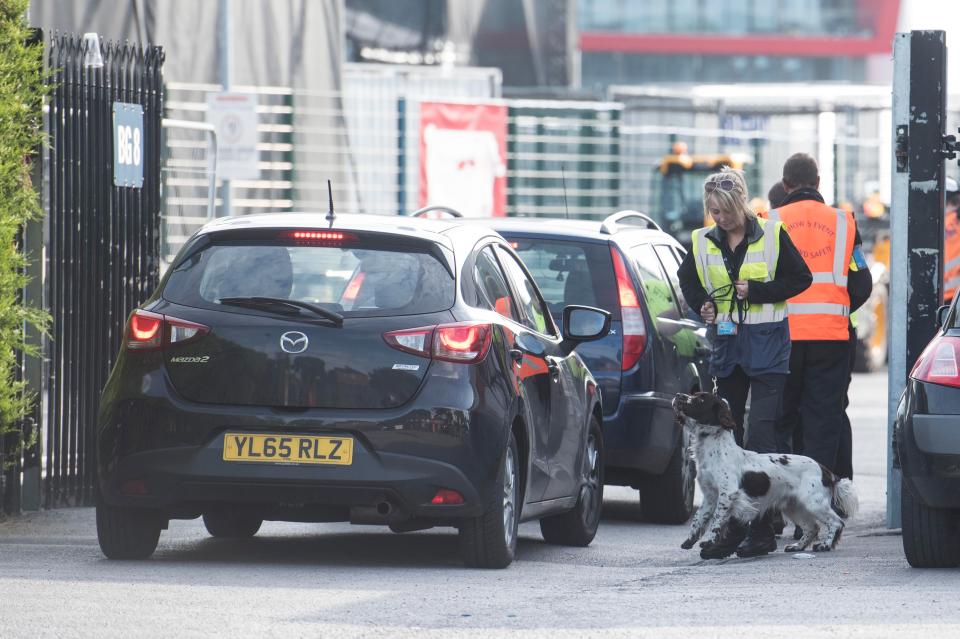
(938, 362)
(634, 326)
(144, 331)
(318, 237)
(415, 340)
(182, 331)
(149, 331)
(464, 343)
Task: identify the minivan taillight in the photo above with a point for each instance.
(938, 362)
(148, 331)
(634, 326)
(464, 343)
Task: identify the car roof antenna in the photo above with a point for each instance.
(331, 216)
(566, 207)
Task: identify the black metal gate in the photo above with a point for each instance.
(102, 244)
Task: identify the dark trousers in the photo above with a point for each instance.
(813, 417)
(766, 396)
(844, 467)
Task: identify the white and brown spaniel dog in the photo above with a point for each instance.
(742, 484)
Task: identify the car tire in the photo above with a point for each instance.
(668, 498)
(231, 525)
(490, 540)
(931, 536)
(127, 533)
(578, 526)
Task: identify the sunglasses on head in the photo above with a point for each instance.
(726, 184)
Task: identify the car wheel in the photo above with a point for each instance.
(224, 523)
(578, 527)
(668, 498)
(490, 540)
(931, 536)
(127, 533)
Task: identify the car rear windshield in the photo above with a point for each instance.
(359, 280)
(570, 273)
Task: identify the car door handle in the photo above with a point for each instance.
(554, 365)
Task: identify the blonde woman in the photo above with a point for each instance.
(740, 274)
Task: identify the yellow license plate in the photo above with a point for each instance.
(291, 449)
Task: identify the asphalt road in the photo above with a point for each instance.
(334, 580)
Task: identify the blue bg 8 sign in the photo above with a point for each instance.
(128, 144)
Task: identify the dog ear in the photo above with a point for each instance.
(723, 415)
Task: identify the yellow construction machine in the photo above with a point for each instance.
(678, 186)
(871, 318)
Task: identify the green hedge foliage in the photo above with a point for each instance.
(21, 93)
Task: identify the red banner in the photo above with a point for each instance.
(463, 157)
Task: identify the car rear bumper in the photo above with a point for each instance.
(401, 456)
(928, 443)
(374, 488)
(937, 434)
(642, 434)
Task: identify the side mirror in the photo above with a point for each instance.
(942, 314)
(584, 323)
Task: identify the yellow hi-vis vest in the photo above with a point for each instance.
(759, 264)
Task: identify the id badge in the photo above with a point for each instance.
(726, 328)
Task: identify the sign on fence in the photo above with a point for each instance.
(463, 157)
(235, 117)
(128, 145)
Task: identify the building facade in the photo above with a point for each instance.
(702, 41)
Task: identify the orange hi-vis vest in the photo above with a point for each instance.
(951, 259)
(824, 236)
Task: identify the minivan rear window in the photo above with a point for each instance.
(358, 280)
(570, 273)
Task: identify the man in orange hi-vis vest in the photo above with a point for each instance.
(828, 240)
(951, 241)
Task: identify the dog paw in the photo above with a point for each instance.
(688, 544)
(792, 548)
(821, 547)
(711, 552)
(706, 544)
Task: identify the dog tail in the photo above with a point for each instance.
(845, 500)
(742, 508)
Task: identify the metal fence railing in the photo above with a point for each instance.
(188, 177)
(564, 158)
(849, 134)
(364, 139)
(103, 247)
(582, 159)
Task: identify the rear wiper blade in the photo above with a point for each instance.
(333, 316)
(293, 305)
(252, 302)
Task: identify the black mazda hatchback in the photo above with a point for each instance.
(377, 370)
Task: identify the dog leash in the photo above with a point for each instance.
(735, 303)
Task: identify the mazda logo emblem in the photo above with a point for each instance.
(293, 342)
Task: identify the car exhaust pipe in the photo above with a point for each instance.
(382, 512)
